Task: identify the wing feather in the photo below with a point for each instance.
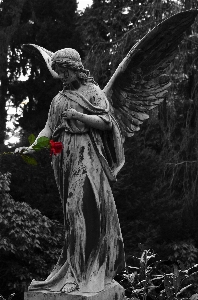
(139, 83)
(46, 54)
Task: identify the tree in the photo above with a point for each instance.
(111, 28)
(49, 24)
(10, 14)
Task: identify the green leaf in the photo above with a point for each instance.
(31, 139)
(29, 160)
(42, 142)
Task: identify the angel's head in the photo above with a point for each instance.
(67, 63)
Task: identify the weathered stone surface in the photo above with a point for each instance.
(112, 291)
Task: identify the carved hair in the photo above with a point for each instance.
(70, 59)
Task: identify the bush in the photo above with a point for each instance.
(148, 278)
(30, 243)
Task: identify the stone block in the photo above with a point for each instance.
(112, 291)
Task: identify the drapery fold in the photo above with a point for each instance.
(93, 252)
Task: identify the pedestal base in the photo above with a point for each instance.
(112, 291)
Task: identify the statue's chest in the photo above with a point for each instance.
(85, 91)
(63, 103)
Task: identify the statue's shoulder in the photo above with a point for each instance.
(92, 91)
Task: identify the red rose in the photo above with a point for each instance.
(55, 147)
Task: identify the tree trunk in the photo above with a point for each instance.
(6, 35)
(3, 80)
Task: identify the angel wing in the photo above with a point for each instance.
(139, 83)
(46, 54)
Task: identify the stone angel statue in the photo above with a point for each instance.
(91, 124)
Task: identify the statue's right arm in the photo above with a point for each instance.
(45, 132)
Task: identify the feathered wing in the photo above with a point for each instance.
(139, 83)
(46, 54)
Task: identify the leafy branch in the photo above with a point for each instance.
(41, 143)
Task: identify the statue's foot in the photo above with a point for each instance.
(70, 287)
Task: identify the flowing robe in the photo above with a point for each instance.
(93, 252)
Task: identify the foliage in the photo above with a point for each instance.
(39, 188)
(9, 298)
(30, 243)
(10, 14)
(42, 142)
(50, 24)
(184, 251)
(111, 28)
(149, 278)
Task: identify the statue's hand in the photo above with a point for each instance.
(24, 150)
(70, 113)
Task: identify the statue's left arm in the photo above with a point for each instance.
(97, 98)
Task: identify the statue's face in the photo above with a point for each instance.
(67, 74)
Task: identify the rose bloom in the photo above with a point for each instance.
(55, 147)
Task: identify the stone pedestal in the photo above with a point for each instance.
(112, 291)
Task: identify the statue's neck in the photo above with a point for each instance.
(72, 86)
